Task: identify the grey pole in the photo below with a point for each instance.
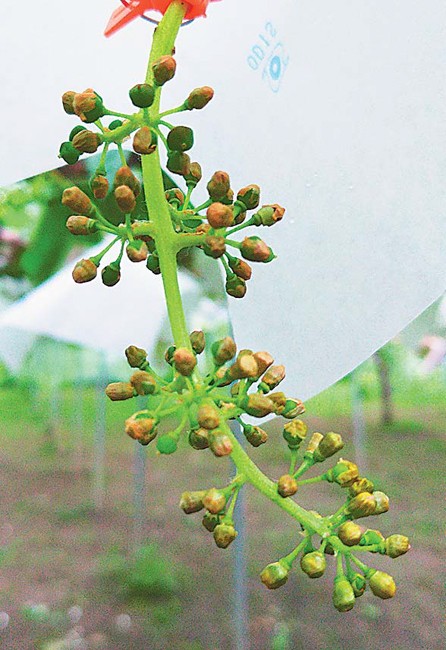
(99, 435)
(359, 424)
(139, 489)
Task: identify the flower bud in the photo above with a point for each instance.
(197, 341)
(381, 584)
(362, 505)
(153, 264)
(370, 537)
(293, 408)
(68, 102)
(219, 186)
(214, 246)
(223, 350)
(287, 486)
(143, 382)
(382, 502)
(257, 405)
(99, 186)
(313, 443)
(115, 124)
(136, 357)
(164, 70)
(255, 435)
(199, 98)
(175, 196)
(361, 485)
(88, 106)
(144, 141)
(235, 286)
(396, 545)
(69, 153)
(330, 444)
(249, 196)
(224, 535)
(313, 564)
(254, 249)
(208, 417)
(240, 268)
(180, 138)
(343, 595)
(142, 95)
(344, 473)
(137, 251)
(87, 141)
(358, 583)
(294, 432)
(125, 199)
(220, 215)
(141, 427)
(279, 400)
(125, 176)
(119, 391)
(199, 439)
(272, 378)
(168, 355)
(269, 215)
(178, 163)
(111, 275)
(350, 533)
(264, 360)
(275, 575)
(77, 201)
(167, 445)
(84, 271)
(74, 131)
(194, 176)
(220, 443)
(185, 361)
(79, 225)
(192, 502)
(214, 501)
(210, 521)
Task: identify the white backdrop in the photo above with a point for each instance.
(337, 109)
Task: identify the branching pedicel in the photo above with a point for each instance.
(203, 405)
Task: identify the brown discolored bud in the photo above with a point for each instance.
(220, 215)
(362, 505)
(344, 473)
(141, 427)
(381, 584)
(125, 199)
(245, 366)
(208, 417)
(272, 378)
(99, 186)
(192, 502)
(214, 246)
(185, 361)
(254, 249)
(223, 350)
(194, 176)
(214, 501)
(264, 361)
(136, 357)
(203, 229)
(396, 545)
(294, 432)
(125, 176)
(313, 564)
(84, 271)
(361, 485)
(87, 141)
(220, 443)
(143, 382)
(287, 486)
(199, 439)
(175, 196)
(313, 443)
(179, 163)
(137, 251)
(199, 98)
(164, 70)
(210, 521)
(119, 391)
(382, 502)
(219, 186)
(257, 405)
(279, 400)
(343, 595)
(275, 575)
(77, 201)
(88, 105)
(235, 286)
(269, 215)
(249, 196)
(330, 444)
(144, 141)
(180, 138)
(79, 225)
(350, 533)
(197, 341)
(68, 102)
(240, 268)
(224, 535)
(292, 409)
(255, 435)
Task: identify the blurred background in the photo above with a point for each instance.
(94, 551)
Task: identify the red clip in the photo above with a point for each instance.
(125, 14)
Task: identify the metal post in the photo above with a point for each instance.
(99, 435)
(139, 490)
(359, 424)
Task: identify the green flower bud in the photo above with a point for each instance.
(223, 351)
(257, 405)
(344, 473)
(194, 176)
(235, 286)
(272, 378)
(142, 95)
(77, 129)
(330, 444)
(361, 485)
(136, 357)
(214, 501)
(164, 70)
(313, 564)
(294, 433)
(77, 201)
(219, 186)
(125, 176)
(292, 409)
(358, 583)
(178, 163)
(144, 383)
(343, 595)
(362, 505)
(249, 196)
(214, 246)
(68, 153)
(275, 575)
(255, 435)
(166, 445)
(220, 443)
(199, 439)
(381, 584)
(125, 199)
(144, 141)
(197, 341)
(185, 361)
(119, 391)
(396, 545)
(382, 502)
(68, 102)
(224, 535)
(87, 141)
(268, 215)
(220, 215)
(370, 537)
(240, 268)
(287, 486)
(111, 275)
(141, 427)
(210, 521)
(180, 138)
(208, 417)
(175, 197)
(115, 125)
(79, 225)
(153, 264)
(168, 355)
(84, 271)
(254, 249)
(199, 98)
(350, 533)
(192, 502)
(99, 186)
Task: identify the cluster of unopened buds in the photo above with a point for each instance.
(210, 226)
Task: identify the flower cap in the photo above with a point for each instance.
(135, 8)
